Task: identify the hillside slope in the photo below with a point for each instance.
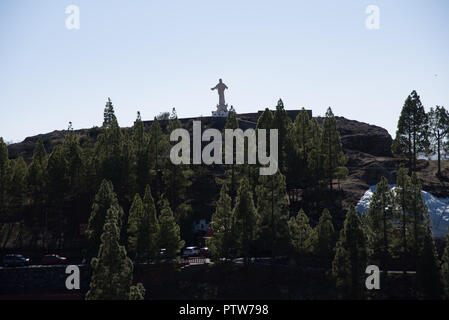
(367, 147)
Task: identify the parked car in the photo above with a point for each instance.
(53, 259)
(204, 252)
(15, 260)
(191, 252)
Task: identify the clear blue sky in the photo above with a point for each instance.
(155, 55)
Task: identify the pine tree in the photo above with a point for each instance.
(40, 154)
(36, 171)
(108, 150)
(56, 177)
(315, 155)
(169, 233)
(265, 121)
(302, 127)
(428, 276)
(134, 221)
(104, 199)
(112, 270)
(222, 240)
(232, 174)
(380, 216)
(302, 235)
(73, 156)
(149, 227)
(401, 194)
(109, 114)
(439, 129)
(273, 211)
(158, 144)
(296, 172)
(325, 236)
(412, 132)
(18, 186)
(245, 220)
(341, 173)
(231, 120)
(36, 183)
(282, 122)
(417, 211)
(143, 163)
(333, 156)
(177, 180)
(56, 188)
(127, 182)
(5, 177)
(299, 148)
(445, 268)
(348, 267)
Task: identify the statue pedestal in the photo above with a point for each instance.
(222, 111)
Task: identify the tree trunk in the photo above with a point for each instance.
(439, 155)
(404, 231)
(414, 151)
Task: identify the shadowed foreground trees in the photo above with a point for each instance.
(351, 257)
(252, 216)
(221, 243)
(104, 200)
(112, 270)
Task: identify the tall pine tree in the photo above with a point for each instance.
(333, 156)
(351, 256)
(325, 237)
(148, 231)
(412, 132)
(439, 129)
(112, 270)
(222, 241)
(380, 215)
(134, 221)
(273, 211)
(169, 233)
(245, 220)
(428, 276)
(104, 199)
(5, 177)
(302, 235)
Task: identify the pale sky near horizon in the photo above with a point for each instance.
(154, 55)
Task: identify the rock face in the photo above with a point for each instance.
(368, 149)
(363, 137)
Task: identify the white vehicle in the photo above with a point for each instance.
(191, 252)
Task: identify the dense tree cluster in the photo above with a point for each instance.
(140, 203)
(421, 133)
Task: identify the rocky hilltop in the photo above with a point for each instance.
(368, 148)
